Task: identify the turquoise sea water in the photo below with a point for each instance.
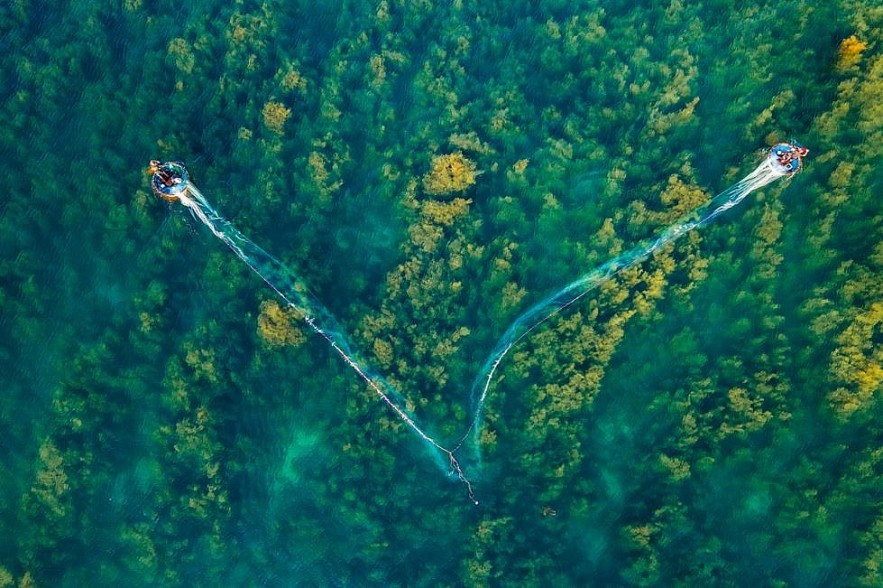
(708, 418)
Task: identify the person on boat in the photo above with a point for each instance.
(160, 171)
(169, 176)
(165, 177)
(785, 157)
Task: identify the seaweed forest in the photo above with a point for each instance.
(427, 173)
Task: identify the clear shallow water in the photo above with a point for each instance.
(675, 429)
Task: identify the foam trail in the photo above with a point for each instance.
(295, 293)
(292, 290)
(540, 312)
